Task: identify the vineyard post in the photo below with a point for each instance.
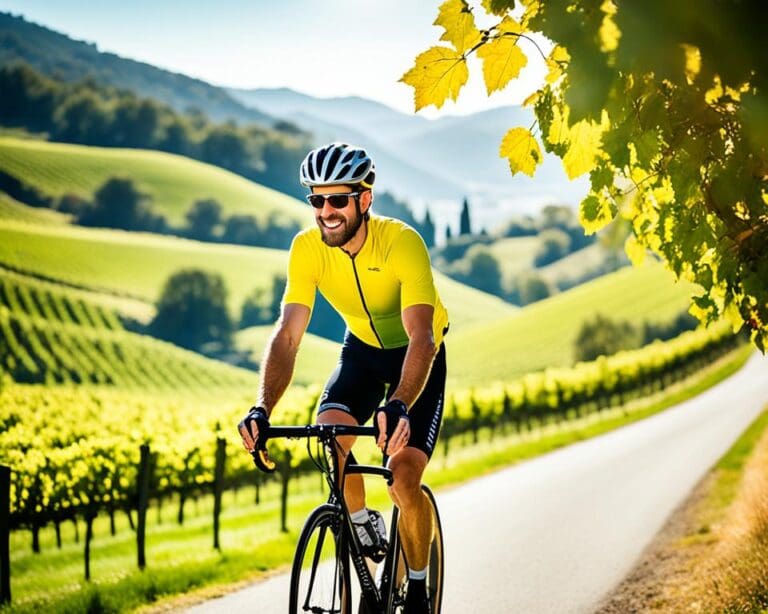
(143, 501)
(5, 534)
(218, 487)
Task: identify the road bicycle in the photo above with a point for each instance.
(328, 549)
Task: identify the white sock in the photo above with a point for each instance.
(420, 574)
(360, 516)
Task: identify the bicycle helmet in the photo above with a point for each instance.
(337, 164)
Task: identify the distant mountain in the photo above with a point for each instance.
(365, 116)
(61, 57)
(359, 121)
(448, 152)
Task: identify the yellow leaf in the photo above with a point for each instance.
(557, 57)
(609, 33)
(439, 72)
(534, 98)
(715, 92)
(733, 316)
(558, 129)
(502, 62)
(585, 141)
(459, 23)
(595, 211)
(522, 150)
(692, 62)
(635, 251)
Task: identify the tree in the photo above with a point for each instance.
(118, 203)
(465, 227)
(664, 104)
(203, 218)
(262, 306)
(554, 245)
(428, 230)
(528, 287)
(601, 336)
(192, 311)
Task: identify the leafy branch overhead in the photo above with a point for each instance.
(664, 104)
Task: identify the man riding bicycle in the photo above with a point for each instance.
(376, 273)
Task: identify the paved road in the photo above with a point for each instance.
(555, 534)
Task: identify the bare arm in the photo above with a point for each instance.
(417, 320)
(280, 355)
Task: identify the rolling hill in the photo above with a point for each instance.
(174, 182)
(58, 55)
(137, 264)
(542, 334)
(53, 335)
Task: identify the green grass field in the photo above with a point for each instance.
(173, 182)
(133, 264)
(515, 254)
(542, 334)
(137, 265)
(574, 265)
(12, 210)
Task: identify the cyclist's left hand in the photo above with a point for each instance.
(394, 427)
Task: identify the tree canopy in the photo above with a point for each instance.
(664, 104)
(192, 311)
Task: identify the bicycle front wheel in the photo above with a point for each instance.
(320, 579)
(435, 567)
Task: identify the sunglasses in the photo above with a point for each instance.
(337, 201)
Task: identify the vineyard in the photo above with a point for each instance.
(53, 336)
(91, 458)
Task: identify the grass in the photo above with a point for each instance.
(137, 264)
(575, 265)
(181, 558)
(722, 559)
(174, 182)
(543, 334)
(12, 209)
(133, 264)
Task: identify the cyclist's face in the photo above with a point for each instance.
(340, 226)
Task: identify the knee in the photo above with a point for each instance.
(406, 485)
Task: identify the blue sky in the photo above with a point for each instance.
(322, 47)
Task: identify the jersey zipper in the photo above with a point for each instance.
(362, 298)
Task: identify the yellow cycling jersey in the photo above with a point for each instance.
(391, 271)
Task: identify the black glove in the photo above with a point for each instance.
(259, 416)
(394, 410)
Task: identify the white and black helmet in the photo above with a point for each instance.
(337, 164)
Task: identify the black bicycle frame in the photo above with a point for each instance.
(374, 596)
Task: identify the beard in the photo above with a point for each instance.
(345, 232)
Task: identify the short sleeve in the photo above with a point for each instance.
(302, 274)
(410, 262)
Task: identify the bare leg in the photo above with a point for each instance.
(416, 528)
(354, 487)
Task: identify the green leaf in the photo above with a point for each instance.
(498, 7)
(595, 212)
(647, 147)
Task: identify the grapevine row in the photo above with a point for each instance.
(75, 447)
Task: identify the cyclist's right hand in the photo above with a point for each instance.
(255, 421)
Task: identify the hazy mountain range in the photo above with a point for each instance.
(431, 163)
(458, 151)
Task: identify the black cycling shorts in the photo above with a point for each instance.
(361, 377)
